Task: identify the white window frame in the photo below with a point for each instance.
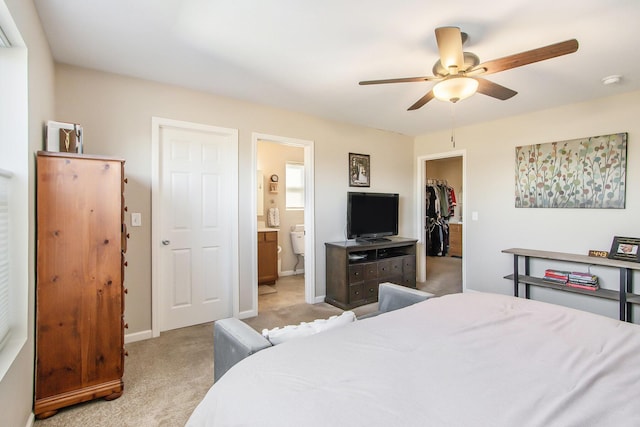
(5, 250)
(294, 188)
(14, 146)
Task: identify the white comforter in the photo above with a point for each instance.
(460, 360)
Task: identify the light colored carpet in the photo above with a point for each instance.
(266, 289)
(166, 377)
(444, 276)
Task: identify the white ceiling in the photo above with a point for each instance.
(309, 56)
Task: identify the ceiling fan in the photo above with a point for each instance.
(457, 71)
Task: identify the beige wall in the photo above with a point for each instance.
(116, 113)
(489, 191)
(16, 388)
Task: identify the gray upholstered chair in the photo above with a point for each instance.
(234, 340)
(393, 297)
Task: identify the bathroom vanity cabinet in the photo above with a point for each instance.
(267, 257)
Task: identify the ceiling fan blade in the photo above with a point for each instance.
(420, 102)
(449, 42)
(400, 80)
(529, 57)
(494, 90)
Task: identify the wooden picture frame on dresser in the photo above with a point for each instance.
(81, 240)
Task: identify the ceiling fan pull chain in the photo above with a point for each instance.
(453, 125)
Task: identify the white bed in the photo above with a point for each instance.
(470, 359)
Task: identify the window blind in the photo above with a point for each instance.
(4, 257)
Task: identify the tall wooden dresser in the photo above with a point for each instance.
(81, 240)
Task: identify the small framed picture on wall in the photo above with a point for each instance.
(359, 170)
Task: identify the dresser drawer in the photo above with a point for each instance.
(370, 290)
(360, 272)
(409, 263)
(397, 266)
(356, 273)
(356, 293)
(384, 268)
(370, 270)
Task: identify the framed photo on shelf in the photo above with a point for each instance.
(625, 249)
(63, 137)
(359, 170)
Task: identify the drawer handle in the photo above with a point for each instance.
(356, 274)
(357, 293)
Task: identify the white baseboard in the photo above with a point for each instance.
(291, 273)
(138, 336)
(247, 314)
(31, 420)
(319, 299)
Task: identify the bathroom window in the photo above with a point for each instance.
(294, 183)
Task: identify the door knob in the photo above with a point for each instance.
(166, 242)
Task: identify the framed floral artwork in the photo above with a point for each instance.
(579, 173)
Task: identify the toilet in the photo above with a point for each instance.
(297, 242)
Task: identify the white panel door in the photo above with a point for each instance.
(196, 254)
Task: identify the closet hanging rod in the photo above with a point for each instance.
(437, 182)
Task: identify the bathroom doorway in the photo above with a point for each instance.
(283, 213)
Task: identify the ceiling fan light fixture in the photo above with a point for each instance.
(455, 88)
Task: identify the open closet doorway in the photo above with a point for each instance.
(443, 224)
(284, 221)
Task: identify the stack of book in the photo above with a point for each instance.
(583, 281)
(556, 276)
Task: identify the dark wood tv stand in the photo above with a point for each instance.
(356, 268)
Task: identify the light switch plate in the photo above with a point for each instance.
(136, 219)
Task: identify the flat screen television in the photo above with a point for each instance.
(371, 216)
